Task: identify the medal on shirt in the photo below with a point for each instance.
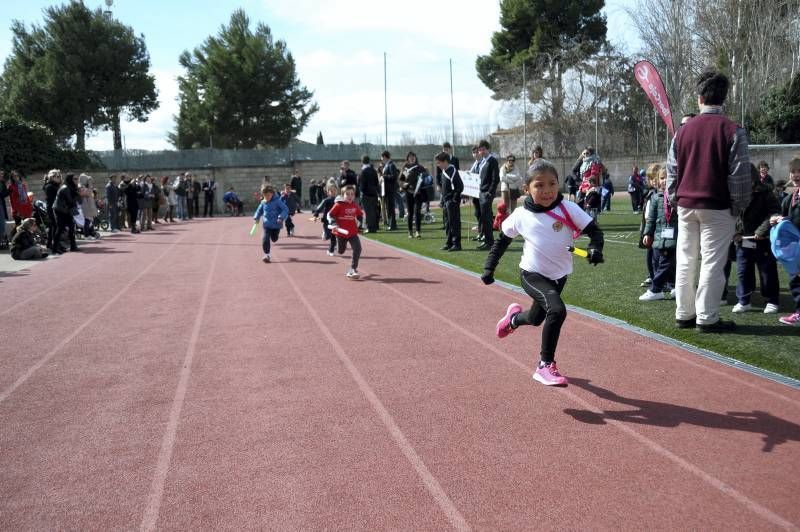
(557, 226)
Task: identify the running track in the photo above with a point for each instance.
(171, 380)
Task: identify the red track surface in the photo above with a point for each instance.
(173, 381)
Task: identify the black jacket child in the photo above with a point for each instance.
(755, 218)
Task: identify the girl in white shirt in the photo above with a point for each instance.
(548, 223)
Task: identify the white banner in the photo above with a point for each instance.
(472, 184)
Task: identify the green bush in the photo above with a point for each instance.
(30, 148)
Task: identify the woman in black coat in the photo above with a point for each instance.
(64, 207)
(416, 194)
(51, 185)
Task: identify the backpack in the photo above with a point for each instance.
(427, 180)
(785, 243)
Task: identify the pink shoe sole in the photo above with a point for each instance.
(504, 325)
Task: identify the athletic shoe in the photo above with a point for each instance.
(265, 258)
(330, 253)
(720, 326)
(417, 235)
(791, 319)
(504, 327)
(352, 274)
(685, 324)
(646, 282)
(548, 375)
(738, 308)
(651, 296)
(771, 308)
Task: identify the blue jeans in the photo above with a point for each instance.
(269, 235)
(663, 269)
(181, 208)
(746, 261)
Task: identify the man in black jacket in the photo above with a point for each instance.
(297, 186)
(390, 174)
(489, 171)
(347, 176)
(369, 188)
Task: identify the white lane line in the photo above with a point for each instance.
(684, 353)
(42, 361)
(430, 482)
(750, 504)
(156, 494)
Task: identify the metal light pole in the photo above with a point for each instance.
(452, 113)
(524, 115)
(385, 108)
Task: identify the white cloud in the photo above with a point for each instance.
(150, 135)
(462, 24)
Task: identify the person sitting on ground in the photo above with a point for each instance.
(233, 202)
(23, 245)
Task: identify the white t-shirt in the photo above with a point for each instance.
(546, 239)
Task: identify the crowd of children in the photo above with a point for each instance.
(750, 249)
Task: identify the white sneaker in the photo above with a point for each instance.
(771, 308)
(646, 282)
(265, 258)
(738, 308)
(330, 253)
(352, 274)
(651, 296)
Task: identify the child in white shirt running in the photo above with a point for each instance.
(548, 223)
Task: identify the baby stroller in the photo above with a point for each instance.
(42, 221)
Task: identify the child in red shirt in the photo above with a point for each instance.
(502, 214)
(344, 219)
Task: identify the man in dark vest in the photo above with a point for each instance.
(489, 170)
(708, 178)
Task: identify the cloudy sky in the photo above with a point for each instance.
(339, 49)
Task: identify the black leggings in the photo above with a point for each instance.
(414, 210)
(355, 245)
(547, 307)
(65, 223)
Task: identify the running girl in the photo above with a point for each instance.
(548, 223)
(345, 218)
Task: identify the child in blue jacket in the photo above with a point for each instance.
(274, 212)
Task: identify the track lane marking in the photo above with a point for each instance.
(431, 484)
(46, 358)
(156, 494)
(684, 464)
(679, 354)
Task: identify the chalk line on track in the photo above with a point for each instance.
(500, 287)
(431, 484)
(33, 369)
(750, 504)
(151, 512)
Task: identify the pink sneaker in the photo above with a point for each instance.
(504, 325)
(549, 375)
(791, 319)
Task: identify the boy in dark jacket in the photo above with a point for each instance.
(753, 248)
(660, 234)
(289, 198)
(452, 187)
(322, 210)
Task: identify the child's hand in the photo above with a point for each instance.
(647, 240)
(595, 257)
(774, 220)
(487, 277)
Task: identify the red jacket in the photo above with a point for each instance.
(502, 214)
(20, 204)
(345, 214)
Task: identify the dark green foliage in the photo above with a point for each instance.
(28, 149)
(77, 72)
(779, 119)
(320, 141)
(240, 90)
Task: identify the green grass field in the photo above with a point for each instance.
(612, 289)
